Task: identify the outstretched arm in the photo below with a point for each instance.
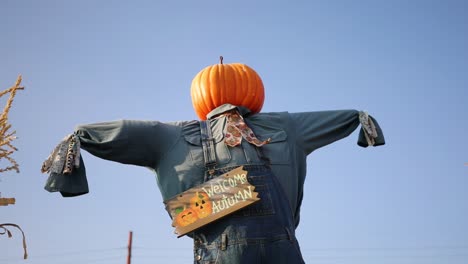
(134, 142)
(317, 129)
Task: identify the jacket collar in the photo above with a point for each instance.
(244, 111)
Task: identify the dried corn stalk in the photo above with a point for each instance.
(6, 137)
(6, 150)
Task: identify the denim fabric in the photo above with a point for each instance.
(263, 232)
(173, 150)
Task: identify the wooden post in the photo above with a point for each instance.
(129, 256)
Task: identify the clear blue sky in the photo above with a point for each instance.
(406, 62)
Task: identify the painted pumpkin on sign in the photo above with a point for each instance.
(186, 217)
(201, 204)
(233, 83)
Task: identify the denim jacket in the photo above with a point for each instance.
(173, 150)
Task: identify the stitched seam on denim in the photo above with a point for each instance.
(209, 152)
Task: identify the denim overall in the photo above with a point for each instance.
(263, 232)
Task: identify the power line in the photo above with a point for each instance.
(330, 254)
(65, 254)
(415, 248)
(429, 251)
(102, 259)
(390, 256)
(74, 260)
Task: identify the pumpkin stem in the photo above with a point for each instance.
(221, 59)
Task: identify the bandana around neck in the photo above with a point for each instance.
(236, 129)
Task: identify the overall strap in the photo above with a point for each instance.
(209, 152)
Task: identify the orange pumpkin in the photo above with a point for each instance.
(186, 217)
(201, 204)
(233, 83)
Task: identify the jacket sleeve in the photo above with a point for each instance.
(133, 142)
(317, 129)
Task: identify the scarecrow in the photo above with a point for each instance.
(233, 142)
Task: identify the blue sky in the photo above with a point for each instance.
(405, 62)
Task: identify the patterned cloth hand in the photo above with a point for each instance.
(65, 156)
(368, 127)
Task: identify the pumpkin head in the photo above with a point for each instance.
(201, 204)
(186, 217)
(233, 83)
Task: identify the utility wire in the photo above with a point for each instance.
(65, 254)
(431, 256)
(74, 261)
(416, 248)
(437, 251)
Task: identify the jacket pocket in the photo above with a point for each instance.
(196, 150)
(277, 150)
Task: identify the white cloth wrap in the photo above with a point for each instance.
(368, 127)
(55, 163)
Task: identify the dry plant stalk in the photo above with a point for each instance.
(6, 149)
(7, 201)
(4, 230)
(6, 137)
